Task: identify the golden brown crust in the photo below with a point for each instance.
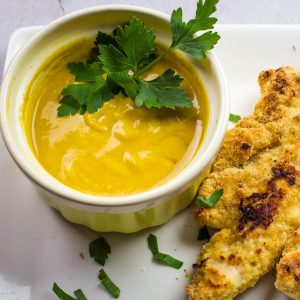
(234, 263)
(258, 169)
(288, 269)
(262, 129)
(278, 91)
(262, 133)
(236, 258)
(241, 143)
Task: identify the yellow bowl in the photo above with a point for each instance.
(128, 213)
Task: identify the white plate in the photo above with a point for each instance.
(38, 247)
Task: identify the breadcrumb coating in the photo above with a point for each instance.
(258, 169)
(267, 133)
(288, 268)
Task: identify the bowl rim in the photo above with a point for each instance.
(175, 185)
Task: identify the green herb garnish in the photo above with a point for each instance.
(60, 293)
(234, 118)
(80, 295)
(152, 244)
(99, 249)
(162, 257)
(118, 60)
(168, 260)
(183, 34)
(64, 296)
(108, 284)
(211, 201)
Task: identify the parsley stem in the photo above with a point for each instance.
(163, 54)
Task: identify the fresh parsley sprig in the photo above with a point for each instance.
(119, 60)
(183, 34)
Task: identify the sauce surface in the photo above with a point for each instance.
(121, 149)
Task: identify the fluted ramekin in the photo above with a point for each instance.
(127, 213)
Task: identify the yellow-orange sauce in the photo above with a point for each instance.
(121, 149)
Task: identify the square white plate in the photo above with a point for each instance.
(38, 247)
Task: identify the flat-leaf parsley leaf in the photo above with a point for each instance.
(163, 91)
(88, 94)
(136, 42)
(184, 33)
(99, 249)
(130, 51)
(124, 80)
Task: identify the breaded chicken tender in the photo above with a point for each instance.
(275, 121)
(258, 169)
(288, 268)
